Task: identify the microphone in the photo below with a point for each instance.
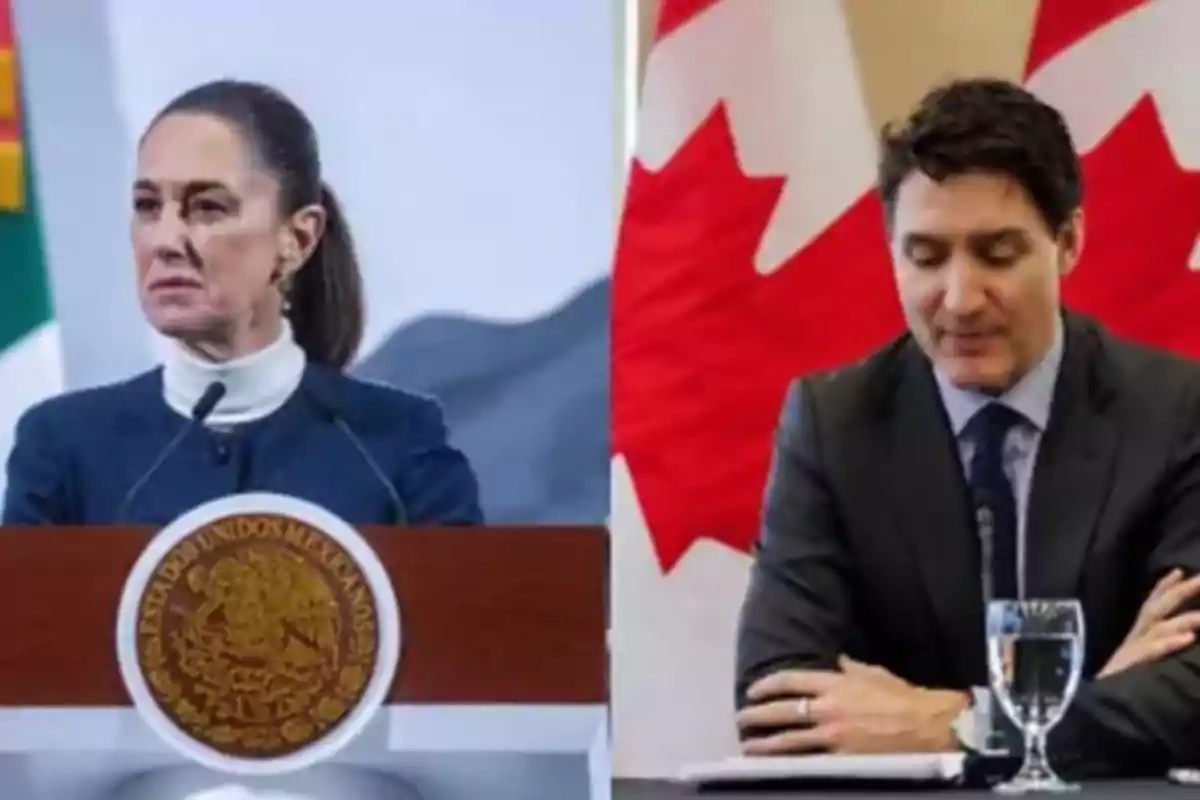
(204, 406)
(334, 418)
(997, 737)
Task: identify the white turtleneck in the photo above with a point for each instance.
(255, 385)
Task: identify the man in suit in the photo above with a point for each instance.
(863, 625)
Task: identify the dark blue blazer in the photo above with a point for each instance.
(76, 456)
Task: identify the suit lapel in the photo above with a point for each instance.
(1074, 468)
(926, 474)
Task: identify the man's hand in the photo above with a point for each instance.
(1155, 633)
(862, 709)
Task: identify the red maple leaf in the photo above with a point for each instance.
(1062, 23)
(704, 346)
(1141, 218)
(673, 14)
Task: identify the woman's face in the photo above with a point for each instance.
(207, 235)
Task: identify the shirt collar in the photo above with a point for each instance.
(1030, 397)
(256, 384)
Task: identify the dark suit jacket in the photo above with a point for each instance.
(76, 456)
(867, 545)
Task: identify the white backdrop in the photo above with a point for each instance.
(472, 142)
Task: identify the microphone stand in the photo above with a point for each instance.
(997, 739)
(985, 527)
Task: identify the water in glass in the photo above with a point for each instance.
(1035, 656)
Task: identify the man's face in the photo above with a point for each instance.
(978, 273)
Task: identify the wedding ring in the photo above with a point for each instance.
(802, 708)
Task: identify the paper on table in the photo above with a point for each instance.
(899, 767)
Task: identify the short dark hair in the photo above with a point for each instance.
(986, 125)
(326, 304)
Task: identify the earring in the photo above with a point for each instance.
(285, 291)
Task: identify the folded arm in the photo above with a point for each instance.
(1147, 718)
(797, 612)
(798, 625)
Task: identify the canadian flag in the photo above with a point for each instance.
(751, 250)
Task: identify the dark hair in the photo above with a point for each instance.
(986, 125)
(326, 310)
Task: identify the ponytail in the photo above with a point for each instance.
(326, 298)
(325, 304)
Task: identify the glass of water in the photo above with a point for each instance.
(1035, 656)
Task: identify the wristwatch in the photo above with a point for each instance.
(972, 727)
(966, 729)
(988, 757)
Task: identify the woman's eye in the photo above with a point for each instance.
(208, 207)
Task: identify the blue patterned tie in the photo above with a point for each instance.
(991, 486)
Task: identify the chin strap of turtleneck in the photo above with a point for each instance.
(256, 385)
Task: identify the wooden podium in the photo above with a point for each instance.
(501, 691)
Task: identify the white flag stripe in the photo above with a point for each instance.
(672, 645)
(30, 371)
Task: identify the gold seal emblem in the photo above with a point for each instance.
(257, 634)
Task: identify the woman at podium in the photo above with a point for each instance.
(245, 263)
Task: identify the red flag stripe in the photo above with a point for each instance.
(6, 24)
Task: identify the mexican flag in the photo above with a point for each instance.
(751, 250)
(30, 362)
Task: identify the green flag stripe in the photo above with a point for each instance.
(24, 287)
